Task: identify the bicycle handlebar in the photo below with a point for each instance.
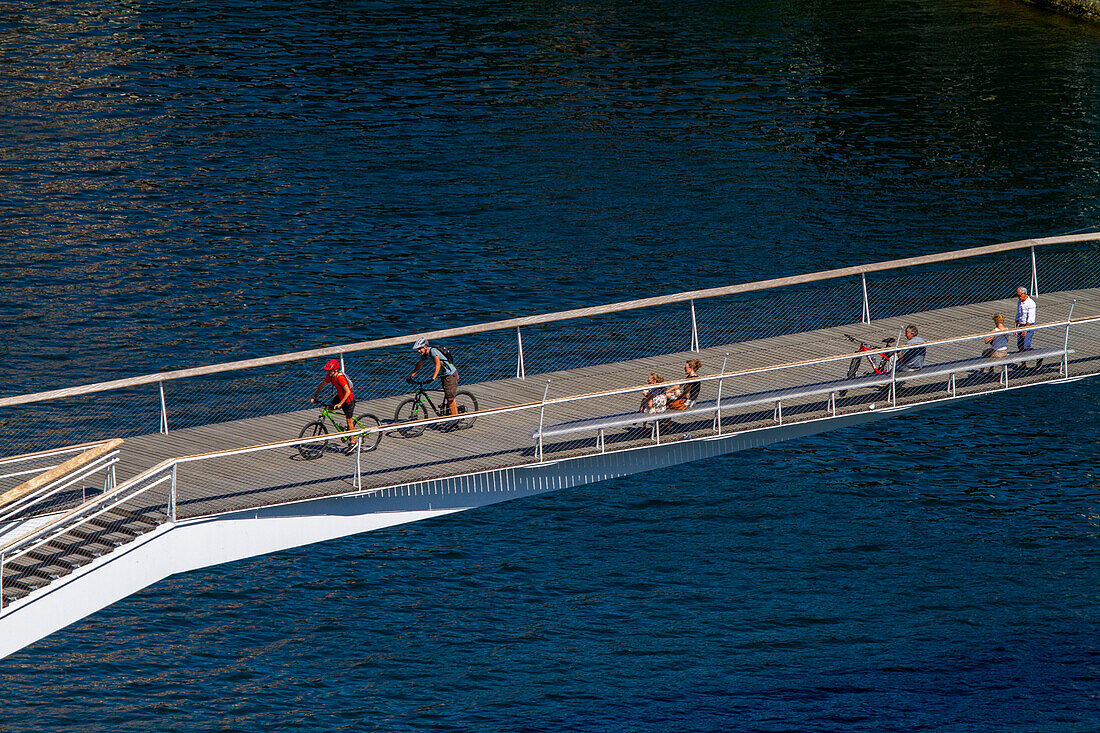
(854, 340)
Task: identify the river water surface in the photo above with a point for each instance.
(187, 183)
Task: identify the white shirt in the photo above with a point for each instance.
(1025, 312)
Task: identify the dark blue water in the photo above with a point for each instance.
(192, 183)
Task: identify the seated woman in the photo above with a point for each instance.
(683, 396)
(998, 343)
(653, 399)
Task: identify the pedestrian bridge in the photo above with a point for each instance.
(93, 509)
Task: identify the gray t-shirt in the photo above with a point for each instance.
(913, 357)
(446, 368)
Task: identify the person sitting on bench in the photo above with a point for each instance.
(998, 343)
(683, 396)
(911, 359)
(653, 399)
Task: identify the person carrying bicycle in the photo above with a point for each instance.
(445, 371)
(344, 399)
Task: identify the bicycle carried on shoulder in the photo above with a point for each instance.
(311, 451)
(421, 407)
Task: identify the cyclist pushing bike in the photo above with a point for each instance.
(445, 371)
(344, 399)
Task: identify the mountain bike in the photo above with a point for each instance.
(879, 361)
(311, 451)
(421, 407)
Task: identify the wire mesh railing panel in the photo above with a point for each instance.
(264, 477)
(41, 425)
(770, 313)
(607, 338)
(1065, 268)
(13, 473)
(1084, 339)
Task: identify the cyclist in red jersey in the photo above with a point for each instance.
(344, 399)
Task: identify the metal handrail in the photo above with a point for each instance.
(511, 323)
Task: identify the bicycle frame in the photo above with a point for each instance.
(883, 365)
(422, 396)
(331, 415)
(866, 351)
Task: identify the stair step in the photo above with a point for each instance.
(108, 522)
(101, 535)
(153, 520)
(80, 550)
(18, 585)
(24, 570)
(55, 556)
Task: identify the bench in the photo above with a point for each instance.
(776, 397)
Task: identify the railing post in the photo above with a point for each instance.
(163, 411)
(172, 496)
(866, 307)
(694, 329)
(1034, 276)
(359, 463)
(542, 414)
(1065, 344)
(342, 369)
(718, 404)
(894, 371)
(1, 581)
(521, 370)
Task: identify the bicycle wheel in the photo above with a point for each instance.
(466, 403)
(310, 451)
(853, 367)
(366, 421)
(409, 410)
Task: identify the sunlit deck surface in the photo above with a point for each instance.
(502, 441)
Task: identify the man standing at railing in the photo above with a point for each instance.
(1025, 316)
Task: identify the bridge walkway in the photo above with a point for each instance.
(252, 480)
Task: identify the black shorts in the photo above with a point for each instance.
(348, 407)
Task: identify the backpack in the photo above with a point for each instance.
(446, 354)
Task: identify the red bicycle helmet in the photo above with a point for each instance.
(332, 364)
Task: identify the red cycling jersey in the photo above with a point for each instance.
(341, 384)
